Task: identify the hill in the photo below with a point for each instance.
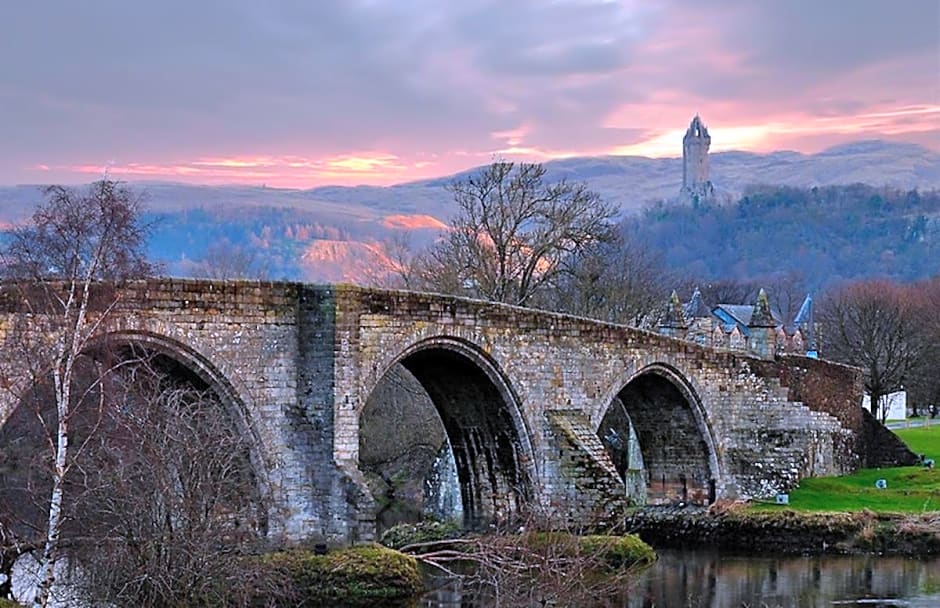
(285, 225)
(821, 234)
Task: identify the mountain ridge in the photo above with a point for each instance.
(874, 162)
(286, 223)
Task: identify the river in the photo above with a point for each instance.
(708, 579)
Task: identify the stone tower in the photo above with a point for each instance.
(695, 182)
(762, 333)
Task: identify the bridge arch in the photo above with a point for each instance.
(658, 408)
(483, 422)
(233, 397)
(126, 436)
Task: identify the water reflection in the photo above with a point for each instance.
(703, 579)
(700, 579)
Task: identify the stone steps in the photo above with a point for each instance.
(587, 484)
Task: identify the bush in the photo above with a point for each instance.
(357, 576)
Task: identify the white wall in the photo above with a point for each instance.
(896, 404)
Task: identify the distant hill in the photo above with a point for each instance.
(819, 235)
(632, 182)
(286, 225)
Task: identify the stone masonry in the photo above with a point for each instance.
(520, 393)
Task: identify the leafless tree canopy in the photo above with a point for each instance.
(514, 234)
(618, 281)
(882, 327)
(81, 236)
(536, 563)
(225, 260)
(923, 385)
(161, 504)
(74, 239)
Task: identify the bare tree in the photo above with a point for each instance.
(225, 260)
(403, 257)
(924, 383)
(875, 326)
(514, 234)
(73, 240)
(536, 562)
(620, 281)
(162, 502)
(172, 506)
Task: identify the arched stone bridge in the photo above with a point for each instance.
(537, 406)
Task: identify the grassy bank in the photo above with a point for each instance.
(923, 440)
(743, 530)
(909, 489)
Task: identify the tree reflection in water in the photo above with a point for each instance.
(700, 579)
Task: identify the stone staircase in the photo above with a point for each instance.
(594, 492)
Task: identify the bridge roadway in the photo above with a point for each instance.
(527, 399)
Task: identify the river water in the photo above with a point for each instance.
(700, 579)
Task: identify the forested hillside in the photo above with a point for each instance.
(803, 224)
(825, 234)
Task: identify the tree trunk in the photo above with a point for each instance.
(63, 395)
(51, 548)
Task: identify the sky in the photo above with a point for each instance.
(309, 93)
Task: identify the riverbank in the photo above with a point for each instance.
(739, 529)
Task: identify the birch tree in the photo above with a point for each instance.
(54, 264)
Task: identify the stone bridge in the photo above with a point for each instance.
(576, 416)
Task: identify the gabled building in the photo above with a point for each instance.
(755, 328)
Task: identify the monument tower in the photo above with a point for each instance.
(695, 182)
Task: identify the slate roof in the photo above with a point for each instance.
(696, 308)
(736, 315)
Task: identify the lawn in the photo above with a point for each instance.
(909, 489)
(923, 440)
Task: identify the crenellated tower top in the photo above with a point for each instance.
(695, 180)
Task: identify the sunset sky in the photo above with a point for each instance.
(308, 93)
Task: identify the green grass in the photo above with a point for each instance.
(910, 489)
(923, 440)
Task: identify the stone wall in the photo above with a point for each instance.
(837, 390)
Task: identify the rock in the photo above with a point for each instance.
(25, 583)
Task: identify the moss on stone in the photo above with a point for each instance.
(403, 535)
(620, 551)
(357, 576)
(616, 552)
(5, 603)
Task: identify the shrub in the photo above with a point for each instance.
(614, 552)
